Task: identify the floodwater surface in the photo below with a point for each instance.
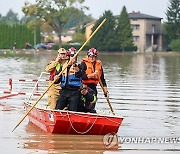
(144, 89)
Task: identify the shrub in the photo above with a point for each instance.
(175, 45)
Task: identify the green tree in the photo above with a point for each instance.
(79, 37)
(172, 26)
(104, 39)
(78, 19)
(53, 13)
(175, 45)
(10, 18)
(124, 31)
(18, 33)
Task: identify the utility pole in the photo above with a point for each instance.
(34, 35)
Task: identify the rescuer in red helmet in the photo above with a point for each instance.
(93, 71)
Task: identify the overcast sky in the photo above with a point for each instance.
(97, 7)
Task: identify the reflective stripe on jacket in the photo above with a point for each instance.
(53, 72)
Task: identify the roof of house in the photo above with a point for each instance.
(138, 15)
(90, 23)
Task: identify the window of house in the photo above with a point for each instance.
(134, 19)
(153, 28)
(136, 38)
(135, 27)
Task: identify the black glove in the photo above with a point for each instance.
(106, 94)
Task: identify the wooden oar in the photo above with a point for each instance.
(60, 73)
(100, 82)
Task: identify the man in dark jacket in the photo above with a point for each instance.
(87, 98)
(70, 82)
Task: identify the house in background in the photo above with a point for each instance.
(53, 37)
(146, 29)
(147, 32)
(88, 29)
(68, 35)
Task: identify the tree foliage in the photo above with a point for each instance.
(79, 37)
(172, 26)
(114, 35)
(10, 18)
(104, 39)
(123, 31)
(53, 13)
(16, 33)
(78, 19)
(175, 45)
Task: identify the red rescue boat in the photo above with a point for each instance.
(68, 122)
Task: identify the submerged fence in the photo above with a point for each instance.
(30, 87)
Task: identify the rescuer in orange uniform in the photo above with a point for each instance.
(55, 67)
(93, 71)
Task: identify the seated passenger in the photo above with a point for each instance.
(87, 99)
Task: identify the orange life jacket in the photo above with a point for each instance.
(91, 69)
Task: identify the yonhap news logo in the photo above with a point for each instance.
(112, 139)
(149, 140)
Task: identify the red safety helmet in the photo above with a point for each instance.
(92, 52)
(71, 51)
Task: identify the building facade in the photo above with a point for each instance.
(147, 32)
(146, 29)
(88, 29)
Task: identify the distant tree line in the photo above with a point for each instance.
(59, 20)
(15, 31)
(172, 25)
(115, 34)
(57, 15)
(17, 34)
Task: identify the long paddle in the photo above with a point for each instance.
(60, 73)
(100, 82)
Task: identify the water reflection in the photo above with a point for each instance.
(144, 89)
(40, 140)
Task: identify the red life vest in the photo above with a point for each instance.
(53, 72)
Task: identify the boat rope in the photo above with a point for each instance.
(113, 121)
(84, 116)
(77, 130)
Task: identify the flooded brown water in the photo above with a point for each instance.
(144, 89)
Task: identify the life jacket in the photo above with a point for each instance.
(53, 72)
(91, 69)
(70, 77)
